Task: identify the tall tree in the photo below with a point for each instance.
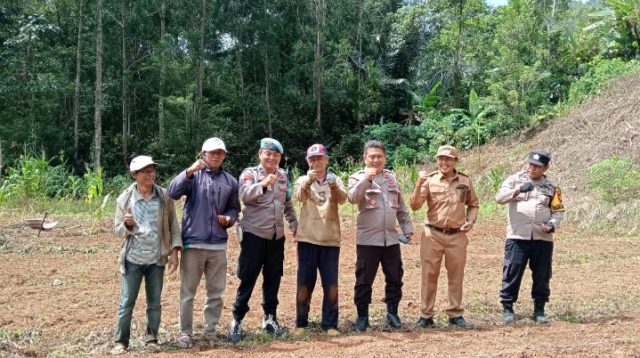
(76, 92)
(97, 118)
(125, 78)
(320, 9)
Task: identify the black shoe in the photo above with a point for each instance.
(393, 320)
(270, 325)
(361, 324)
(508, 316)
(425, 323)
(235, 333)
(538, 312)
(459, 322)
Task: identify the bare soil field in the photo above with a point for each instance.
(59, 296)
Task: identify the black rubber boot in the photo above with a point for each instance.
(508, 316)
(538, 312)
(362, 323)
(393, 320)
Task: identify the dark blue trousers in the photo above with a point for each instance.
(311, 260)
(256, 255)
(517, 253)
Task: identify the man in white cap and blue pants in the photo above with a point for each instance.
(212, 206)
(264, 191)
(146, 220)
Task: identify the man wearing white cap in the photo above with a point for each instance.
(211, 206)
(318, 236)
(146, 220)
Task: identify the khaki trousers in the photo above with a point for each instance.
(195, 263)
(435, 245)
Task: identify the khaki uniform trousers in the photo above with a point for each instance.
(433, 246)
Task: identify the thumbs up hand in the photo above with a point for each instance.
(129, 221)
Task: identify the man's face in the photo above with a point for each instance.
(214, 158)
(318, 162)
(145, 176)
(375, 158)
(446, 165)
(535, 171)
(269, 159)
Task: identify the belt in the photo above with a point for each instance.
(446, 231)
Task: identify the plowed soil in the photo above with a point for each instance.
(59, 296)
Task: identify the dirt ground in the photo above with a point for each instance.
(59, 295)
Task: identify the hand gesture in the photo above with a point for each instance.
(422, 177)
(196, 166)
(526, 187)
(468, 225)
(312, 174)
(129, 221)
(331, 178)
(268, 180)
(548, 227)
(370, 173)
(224, 220)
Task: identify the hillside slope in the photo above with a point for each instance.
(604, 127)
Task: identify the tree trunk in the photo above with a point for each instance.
(200, 79)
(125, 90)
(97, 118)
(162, 74)
(457, 71)
(242, 93)
(76, 93)
(318, 67)
(267, 94)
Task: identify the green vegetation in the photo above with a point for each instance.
(104, 81)
(617, 180)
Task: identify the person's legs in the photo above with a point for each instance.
(367, 262)
(272, 274)
(540, 264)
(431, 252)
(307, 276)
(393, 271)
(215, 274)
(328, 267)
(191, 269)
(249, 265)
(516, 255)
(153, 281)
(455, 259)
(129, 288)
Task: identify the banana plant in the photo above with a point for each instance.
(474, 115)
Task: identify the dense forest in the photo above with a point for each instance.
(92, 83)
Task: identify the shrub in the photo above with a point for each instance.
(601, 72)
(615, 179)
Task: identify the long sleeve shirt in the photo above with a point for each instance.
(209, 194)
(265, 209)
(528, 211)
(319, 221)
(380, 205)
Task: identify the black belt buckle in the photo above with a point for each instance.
(446, 231)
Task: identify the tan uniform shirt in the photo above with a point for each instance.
(319, 221)
(446, 200)
(264, 211)
(380, 204)
(528, 211)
